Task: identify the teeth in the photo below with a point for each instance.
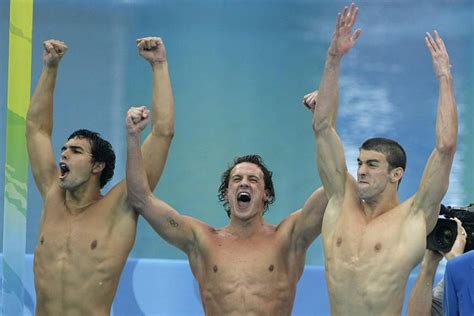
(243, 197)
(63, 167)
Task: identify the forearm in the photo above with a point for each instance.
(40, 111)
(330, 154)
(162, 101)
(137, 184)
(328, 96)
(421, 293)
(447, 117)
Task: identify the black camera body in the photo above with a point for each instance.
(444, 234)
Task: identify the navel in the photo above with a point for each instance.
(378, 247)
(215, 268)
(94, 244)
(271, 267)
(42, 240)
(339, 242)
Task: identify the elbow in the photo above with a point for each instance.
(32, 127)
(319, 126)
(137, 202)
(447, 147)
(166, 131)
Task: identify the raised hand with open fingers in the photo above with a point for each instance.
(152, 49)
(344, 39)
(54, 50)
(439, 53)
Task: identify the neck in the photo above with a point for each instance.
(380, 204)
(245, 228)
(77, 201)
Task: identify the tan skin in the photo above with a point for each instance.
(249, 267)
(85, 237)
(421, 293)
(371, 239)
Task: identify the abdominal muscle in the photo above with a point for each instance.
(247, 296)
(365, 288)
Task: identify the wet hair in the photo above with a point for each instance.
(267, 178)
(101, 151)
(393, 151)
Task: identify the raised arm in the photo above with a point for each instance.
(156, 146)
(435, 180)
(330, 153)
(40, 119)
(168, 223)
(309, 220)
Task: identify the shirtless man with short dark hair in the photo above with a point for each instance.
(85, 237)
(372, 240)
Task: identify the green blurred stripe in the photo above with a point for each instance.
(16, 160)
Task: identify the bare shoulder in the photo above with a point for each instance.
(117, 197)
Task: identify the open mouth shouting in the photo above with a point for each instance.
(243, 199)
(63, 170)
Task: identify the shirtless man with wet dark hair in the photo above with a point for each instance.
(372, 240)
(248, 267)
(85, 237)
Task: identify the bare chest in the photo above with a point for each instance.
(373, 256)
(246, 275)
(244, 260)
(82, 240)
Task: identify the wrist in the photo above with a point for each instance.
(444, 76)
(450, 256)
(133, 134)
(333, 56)
(159, 64)
(50, 68)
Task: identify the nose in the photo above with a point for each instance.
(64, 155)
(243, 183)
(361, 171)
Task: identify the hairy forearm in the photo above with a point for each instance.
(328, 96)
(421, 293)
(40, 111)
(137, 184)
(447, 117)
(162, 101)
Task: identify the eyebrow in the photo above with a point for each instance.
(71, 147)
(368, 161)
(238, 175)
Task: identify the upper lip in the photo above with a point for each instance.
(63, 165)
(240, 192)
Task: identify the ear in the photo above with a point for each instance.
(266, 196)
(396, 174)
(98, 167)
(225, 196)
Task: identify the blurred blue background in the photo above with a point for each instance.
(239, 71)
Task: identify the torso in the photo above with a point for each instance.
(368, 261)
(79, 257)
(252, 276)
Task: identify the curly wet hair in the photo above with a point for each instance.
(267, 178)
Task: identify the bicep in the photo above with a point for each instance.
(155, 152)
(175, 228)
(434, 185)
(43, 164)
(331, 161)
(309, 220)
